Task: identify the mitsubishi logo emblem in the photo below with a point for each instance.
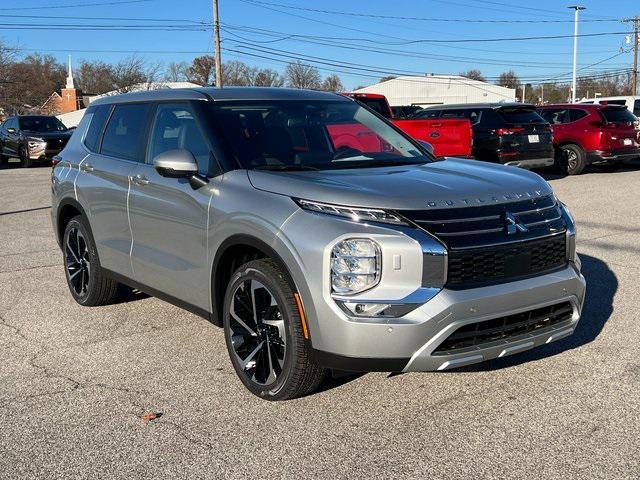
(513, 226)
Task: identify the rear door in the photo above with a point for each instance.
(168, 217)
(114, 137)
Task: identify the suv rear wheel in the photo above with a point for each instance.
(264, 334)
(571, 159)
(87, 282)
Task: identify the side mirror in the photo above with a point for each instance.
(11, 130)
(176, 164)
(426, 145)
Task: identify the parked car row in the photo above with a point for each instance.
(569, 136)
(32, 138)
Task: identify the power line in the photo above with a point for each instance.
(68, 17)
(78, 5)
(422, 19)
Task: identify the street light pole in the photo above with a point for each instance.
(576, 9)
(216, 34)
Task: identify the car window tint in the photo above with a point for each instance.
(555, 116)
(174, 128)
(618, 115)
(636, 108)
(428, 113)
(94, 132)
(454, 113)
(124, 136)
(576, 114)
(519, 115)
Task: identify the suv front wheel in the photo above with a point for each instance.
(264, 334)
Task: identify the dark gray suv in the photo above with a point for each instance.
(315, 232)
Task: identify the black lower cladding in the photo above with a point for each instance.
(502, 328)
(477, 267)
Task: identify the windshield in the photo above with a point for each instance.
(42, 124)
(312, 135)
(618, 115)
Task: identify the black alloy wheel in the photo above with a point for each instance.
(87, 282)
(265, 334)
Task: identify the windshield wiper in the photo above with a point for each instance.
(285, 168)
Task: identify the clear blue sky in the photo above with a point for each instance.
(531, 59)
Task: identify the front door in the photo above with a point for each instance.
(169, 219)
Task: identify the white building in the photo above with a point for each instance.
(439, 90)
(72, 119)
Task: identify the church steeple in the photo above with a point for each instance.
(70, 82)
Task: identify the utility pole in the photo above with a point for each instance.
(216, 44)
(576, 9)
(524, 88)
(634, 78)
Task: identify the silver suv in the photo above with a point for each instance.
(316, 233)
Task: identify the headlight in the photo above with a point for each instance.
(356, 265)
(353, 213)
(572, 255)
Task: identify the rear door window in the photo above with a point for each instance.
(520, 115)
(125, 135)
(576, 114)
(555, 116)
(618, 115)
(96, 127)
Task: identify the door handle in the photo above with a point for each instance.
(139, 179)
(86, 167)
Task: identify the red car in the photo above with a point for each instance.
(586, 134)
(451, 137)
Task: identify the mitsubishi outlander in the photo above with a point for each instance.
(316, 233)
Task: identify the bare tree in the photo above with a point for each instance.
(202, 70)
(94, 77)
(129, 73)
(387, 78)
(332, 83)
(509, 79)
(302, 75)
(265, 77)
(31, 82)
(474, 75)
(176, 72)
(236, 73)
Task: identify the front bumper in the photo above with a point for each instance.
(410, 346)
(619, 155)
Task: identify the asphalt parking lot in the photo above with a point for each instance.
(76, 383)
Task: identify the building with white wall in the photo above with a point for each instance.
(439, 90)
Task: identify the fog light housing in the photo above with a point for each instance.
(356, 266)
(376, 310)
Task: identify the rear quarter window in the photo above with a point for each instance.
(125, 135)
(94, 132)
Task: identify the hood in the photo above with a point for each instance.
(444, 184)
(48, 135)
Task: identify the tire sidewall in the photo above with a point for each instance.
(248, 272)
(580, 159)
(79, 222)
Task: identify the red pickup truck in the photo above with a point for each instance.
(449, 137)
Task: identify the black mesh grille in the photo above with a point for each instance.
(481, 333)
(490, 265)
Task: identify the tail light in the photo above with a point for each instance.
(55, 160)
(507, 131)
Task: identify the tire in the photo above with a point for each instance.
(23, 155)
(272, 359)
(86, 280)
(3, 160)
(571, 159)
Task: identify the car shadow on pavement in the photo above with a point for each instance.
(552, 173)
(602, 285)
